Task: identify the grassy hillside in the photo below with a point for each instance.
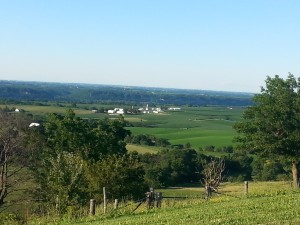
(266, 203)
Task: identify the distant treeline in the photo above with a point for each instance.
(85, 93)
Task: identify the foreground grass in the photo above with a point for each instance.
(281, 209)
(266, 203)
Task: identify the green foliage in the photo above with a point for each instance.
(145, 139)
(269, 169)
(170, 167)
(238, 167)
(272, 124)
(89, 139)
(9, 219)
(67, 144)
(65, 181)
(122, 175)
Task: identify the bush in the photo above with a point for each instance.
(9, 219)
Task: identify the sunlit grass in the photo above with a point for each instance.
(265, 204)
(142, 148)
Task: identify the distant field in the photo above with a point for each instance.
(199, 126)
(197, 137)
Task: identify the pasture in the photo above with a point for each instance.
(266, 203)
(142, 148)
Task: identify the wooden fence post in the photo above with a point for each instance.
(27, 215)
(150, 198)
(104, 200)
(116, 204)
(158, 198)
(246, 186)
(92, 206)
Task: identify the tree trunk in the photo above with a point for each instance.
(3, 183)
(295, 174)
(208, 191)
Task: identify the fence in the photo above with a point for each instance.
(152, 200)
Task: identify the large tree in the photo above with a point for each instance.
(272, 125)
(122, 175)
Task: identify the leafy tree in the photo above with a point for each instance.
(170, 167)
(238, 167)
(122, 175)
(65, 183)
(90, 139)
(108, 138)
(272, 125)
(145, 139)
(268, 169)
(69, 143)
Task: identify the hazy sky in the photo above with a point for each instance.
(228, 45)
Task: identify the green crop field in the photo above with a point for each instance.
(199, 126)
(266, 203)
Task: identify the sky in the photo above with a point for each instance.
(230, 45)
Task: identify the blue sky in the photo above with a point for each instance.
(227, 45)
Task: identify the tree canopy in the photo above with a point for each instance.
(73, 154)
(272, 125)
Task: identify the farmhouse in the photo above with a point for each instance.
(115, 111)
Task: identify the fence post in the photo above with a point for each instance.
(104, 200)
(158, 198)
(150, 198)
(92, 206)
(246, 186)
(116, 204)
(27, 215)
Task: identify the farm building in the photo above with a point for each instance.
(147, 110)
(116, 111)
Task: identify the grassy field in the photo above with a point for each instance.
(142, 148)
(266, 203)
(199, 126)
